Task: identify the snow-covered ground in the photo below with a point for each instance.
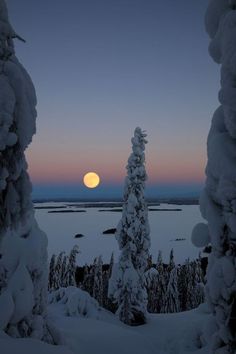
(163, 334)
(100, 332)
(165, 226)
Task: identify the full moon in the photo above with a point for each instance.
(91, 180)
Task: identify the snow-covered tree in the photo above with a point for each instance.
(127, 281)
(189, 286)
(162, 284)
(198, 295)
(71, 266)
(111, 264)
(151, 282)
(58, 270)
(64, 272)
(23, 261)
(107, 303)
(51, 277)
(98, 280)
(171, 264)
(172, 294)
(88, 280)
(218, 200)
(183, 278)
(159, 264)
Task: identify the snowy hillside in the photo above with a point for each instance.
(101, 332)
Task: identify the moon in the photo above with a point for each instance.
(91, 180)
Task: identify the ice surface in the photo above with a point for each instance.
(165, 227)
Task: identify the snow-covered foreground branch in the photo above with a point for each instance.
(23, 256)
(218, 200)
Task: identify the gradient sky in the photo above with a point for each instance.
(103, 67)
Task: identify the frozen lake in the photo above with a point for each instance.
(165, 226)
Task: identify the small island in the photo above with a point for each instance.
(67, 211)
(78, 236)
(109, 231)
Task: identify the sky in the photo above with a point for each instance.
(103, 67)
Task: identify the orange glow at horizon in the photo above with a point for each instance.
(52, 168)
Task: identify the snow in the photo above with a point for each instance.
(23, 261)
(163, 334)
(218, 198)
(75, 302)
(179, 333)
(10, 345)
(21, 289)
(6, 309)
(200, 235)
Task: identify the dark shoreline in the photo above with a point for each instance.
(112, 203)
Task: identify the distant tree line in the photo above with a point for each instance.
(170, 287)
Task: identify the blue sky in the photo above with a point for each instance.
(100, 69)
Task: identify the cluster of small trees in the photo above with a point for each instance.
(62, 270)
(174, 288)
(170, 287)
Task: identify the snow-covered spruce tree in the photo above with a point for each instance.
(172, 294)
(58, 271)
(171, 264)
(51, 277)
(189, 286)
(107, 302)
(23, 246)
(126, 285)
(218, 200)
(151, 282)
(98, 280)
(88, 280)
(162, 284)
(71, 266)
(198, 296)
(182, 287)
(64, 272)
(111, 264)
(159, 264)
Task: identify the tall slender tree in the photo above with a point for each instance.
(127, 281)
(218, 200)
(23, 261)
